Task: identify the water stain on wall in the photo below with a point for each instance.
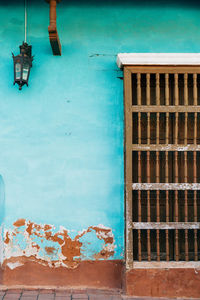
(55, 247)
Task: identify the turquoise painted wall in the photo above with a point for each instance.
(61, 139)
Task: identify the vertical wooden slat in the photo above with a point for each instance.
(157, 205)
(139, 128)
(176, 129)
(128, 170)
(138, 88)
(148, 88)
(167, 203)
(166, 89)
(167, 128)
(157, 165)
(186, 206)
(195, 88)
(185, 89)
(176, 205)
(176, 92)
(148, 128)
(157, 128)
(195, 167)
(139, 206)
(148, 208)
(157, 89)
(195, 205)
(195, 128)
(186, 128)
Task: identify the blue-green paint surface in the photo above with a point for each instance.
(61, 139)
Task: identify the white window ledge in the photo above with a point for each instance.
(124, 59)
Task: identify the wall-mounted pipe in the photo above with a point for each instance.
(53, 33)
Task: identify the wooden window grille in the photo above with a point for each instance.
(162, 164)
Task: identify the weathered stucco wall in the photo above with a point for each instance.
(62, 138)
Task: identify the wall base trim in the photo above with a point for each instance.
(88, 274)
(169, 283)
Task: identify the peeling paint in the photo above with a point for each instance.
(1, 245)
(55, 248)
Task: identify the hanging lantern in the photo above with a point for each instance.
(22, 65)
(23, 61)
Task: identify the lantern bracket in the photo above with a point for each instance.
(53, 33)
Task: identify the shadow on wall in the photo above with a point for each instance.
(189, 3)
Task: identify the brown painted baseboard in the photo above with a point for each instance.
(92, 274)
(163, 283)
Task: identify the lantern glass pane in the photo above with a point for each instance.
(18, 70)
(25, 71)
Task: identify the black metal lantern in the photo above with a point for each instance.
(22, 65)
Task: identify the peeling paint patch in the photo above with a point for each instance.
(1, 245)
(49, 246)
(12, 266)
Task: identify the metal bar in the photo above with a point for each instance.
(166, 186)
(166, 225)
(25, 21)
(128, 170)
(163, 108)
